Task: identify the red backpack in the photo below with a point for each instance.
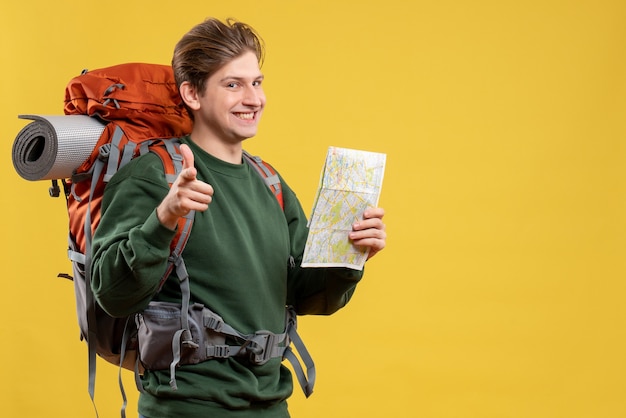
(142, 112)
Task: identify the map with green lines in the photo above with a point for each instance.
(351, 182)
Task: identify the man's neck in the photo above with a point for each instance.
(231, 152)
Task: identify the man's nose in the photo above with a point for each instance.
(253, 96)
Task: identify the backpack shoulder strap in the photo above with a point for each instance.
(168, 151)
(172, 163)
(268, 174)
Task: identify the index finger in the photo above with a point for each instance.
(187, 154)
(374, 213)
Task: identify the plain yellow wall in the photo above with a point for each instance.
(501, 291)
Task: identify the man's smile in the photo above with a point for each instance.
(245, 116)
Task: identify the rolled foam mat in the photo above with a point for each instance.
(52, 147)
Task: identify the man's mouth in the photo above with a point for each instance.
(245, 116)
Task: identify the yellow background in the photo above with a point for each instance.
(501, 291)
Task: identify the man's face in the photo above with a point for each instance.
(233, 101)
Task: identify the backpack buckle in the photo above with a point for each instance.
(218, 351)
(212, 321)
(104, 151)
(261, 346)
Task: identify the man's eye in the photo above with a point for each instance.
(232, 85)
(256, 83)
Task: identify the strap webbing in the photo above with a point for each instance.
(183, 336)
(89, 297)
(271, 179)
(177, 159)
(125, 339)
(75, 256)
(306, 382)
(127, 154)
(114, 154)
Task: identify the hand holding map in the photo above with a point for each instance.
(350, 183)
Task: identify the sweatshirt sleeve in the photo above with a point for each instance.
(130, 246)
(314, 290)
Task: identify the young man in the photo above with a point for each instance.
(243, 255)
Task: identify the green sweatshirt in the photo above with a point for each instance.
(243, 258)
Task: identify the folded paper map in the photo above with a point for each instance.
(350, 183)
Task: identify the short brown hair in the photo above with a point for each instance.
(209, 46)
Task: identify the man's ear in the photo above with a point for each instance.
(189, 95)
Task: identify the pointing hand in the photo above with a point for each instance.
(186, 194)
